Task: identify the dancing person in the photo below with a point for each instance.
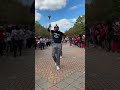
(56, 45)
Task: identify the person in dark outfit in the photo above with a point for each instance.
(56, 45)
(1, 41)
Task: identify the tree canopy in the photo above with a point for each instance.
(102, 10)
(40, 30)
(78, 28)
(14, 12)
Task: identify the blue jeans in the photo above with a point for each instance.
(56, 52)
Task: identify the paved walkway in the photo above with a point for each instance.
(102, 70)
(71, 76)
(17, 73)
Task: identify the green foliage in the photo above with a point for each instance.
(40, 30)
(102, 10)
(78, 28)
(13, 12)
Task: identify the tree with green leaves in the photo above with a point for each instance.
(14, 12)
(40, 30)
(102, 10)
(78, 28)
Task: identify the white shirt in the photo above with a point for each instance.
(8, 36)
(14, 34)
(21, 34)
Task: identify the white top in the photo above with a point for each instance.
(14, 34)
(8, 36)
(21, 34)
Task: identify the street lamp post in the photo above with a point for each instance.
(49, 17)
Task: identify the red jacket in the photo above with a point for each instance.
(78, 39)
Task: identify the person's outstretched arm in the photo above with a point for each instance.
(49, 27)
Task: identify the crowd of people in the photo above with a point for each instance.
(78, 41)
(14, 38)
(104, 35)
(42, 42)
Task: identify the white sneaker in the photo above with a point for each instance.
(58, 68)
(55, 64)
(60, 56)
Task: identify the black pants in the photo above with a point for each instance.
(17, 46)
(108, 44)
(35, 45)
(47, 44)
(28, 43)
(20, 44)
(1, 48)
(9, 46)
(118, 43)
(42, 46)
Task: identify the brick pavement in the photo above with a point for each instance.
(102, 70)
(102, 73)
(71, 75)
(18, 73)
